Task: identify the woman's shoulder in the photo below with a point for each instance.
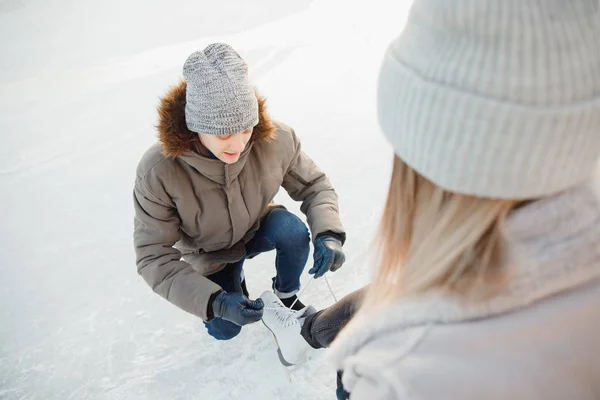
(429, 359)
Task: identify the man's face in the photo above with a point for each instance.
(226, 148)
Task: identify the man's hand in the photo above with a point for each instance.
(328, 255)
(237, 308)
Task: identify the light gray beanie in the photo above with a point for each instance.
(219, 97)
(496, 98)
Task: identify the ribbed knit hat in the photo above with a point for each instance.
(219, 97)
(496, 98)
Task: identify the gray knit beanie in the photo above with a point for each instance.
(219, 97)
(496, 98)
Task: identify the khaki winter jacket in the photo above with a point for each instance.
(194, 214)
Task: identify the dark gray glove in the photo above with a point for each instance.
(328, 255)
(237, 308)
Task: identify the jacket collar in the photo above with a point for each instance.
(215, 169)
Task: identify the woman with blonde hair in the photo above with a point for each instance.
(487, 284)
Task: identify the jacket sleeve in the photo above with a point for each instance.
(378, 386)
(156, 230)
(305, 182)
(367, 389)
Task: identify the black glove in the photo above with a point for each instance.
(237, 308)
(340, 392)
(328, 255)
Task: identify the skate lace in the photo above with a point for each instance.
(285, 316)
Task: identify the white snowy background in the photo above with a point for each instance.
(79, 86)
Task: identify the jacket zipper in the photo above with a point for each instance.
(226, 190)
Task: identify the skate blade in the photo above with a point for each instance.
(282, 359)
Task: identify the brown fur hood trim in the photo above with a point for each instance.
(176, 138)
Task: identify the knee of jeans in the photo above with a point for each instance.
(292, 230)
(223, 331)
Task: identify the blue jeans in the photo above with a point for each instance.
(282, 231)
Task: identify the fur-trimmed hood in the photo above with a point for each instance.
(176, 138)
